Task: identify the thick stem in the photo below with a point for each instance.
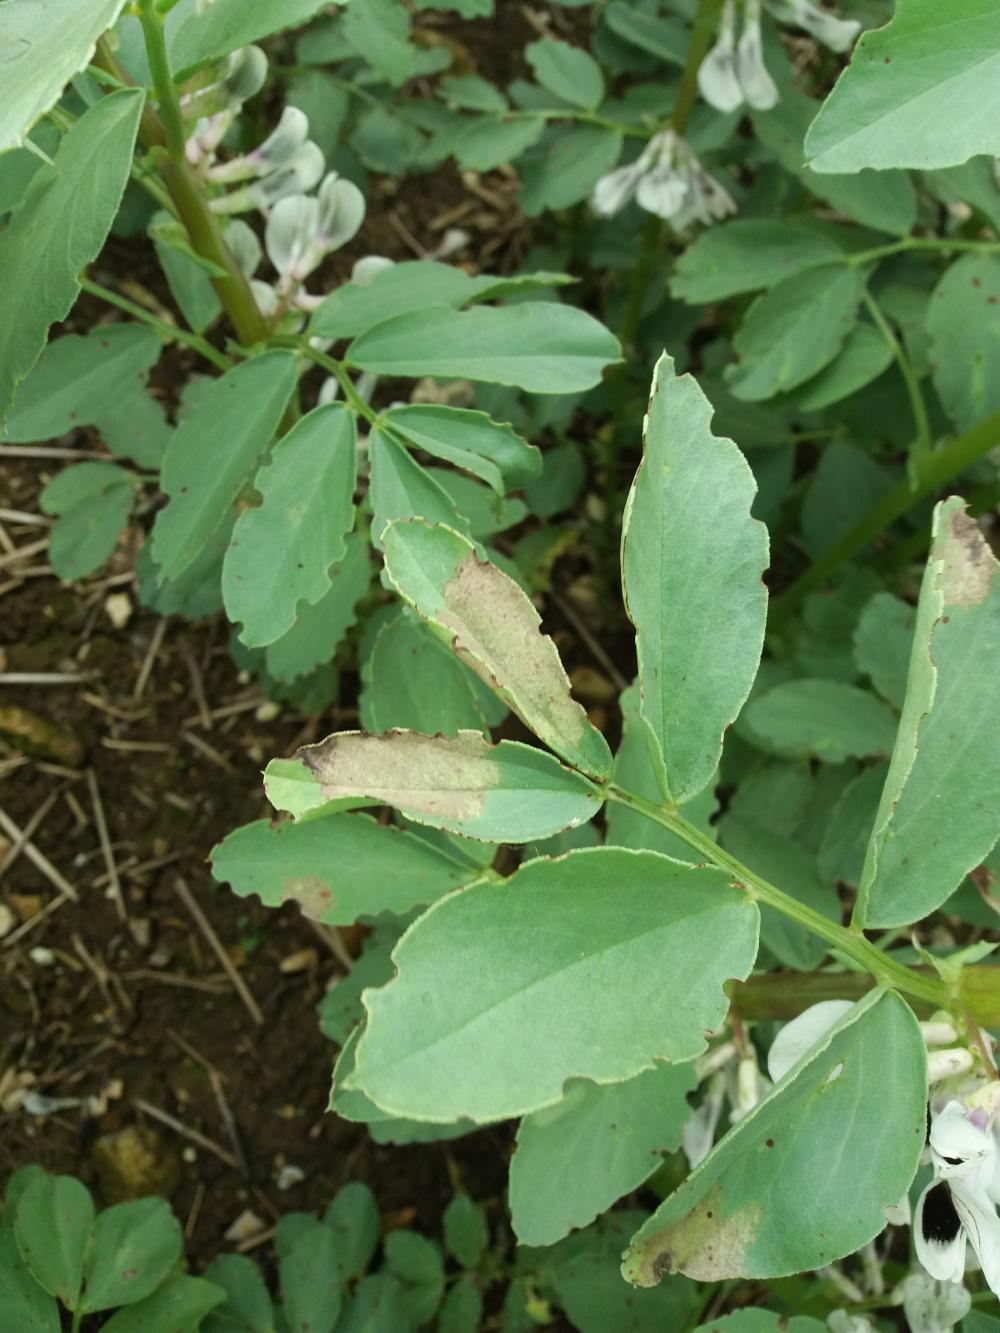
(192, 207)
(706, 21)
(933, 472)
(785, 994)
(163, 84)
(851, 943)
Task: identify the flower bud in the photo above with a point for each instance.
(837, 34)
(290, 234)
(285, 140)
(717, 73)
(948, 1063)
(758, 87)
(368, 267)
(341, 212)
(244, 246)
(247, 72)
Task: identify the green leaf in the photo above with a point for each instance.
(564, 168)
(846, 483)
(939, 807)
(783, 861)
(493, 627)
(667, 38)
(569, 72)
(52, 1225)
(540, 346)
(134, 1246)
(411, 680)
(841, 854)
(318, 630)
(917, 93)
(379, 30)
(378, 1304)
(496, 793)
(692, 559)
(338, 868)
(963, 320)
(472, 93)
(356, 307)
(635, 770)
(745, 257)
(311, 1302)
(281, 553)
(93, 501)
(45, 42)
(248, 1307)
(402, 489)
(882, 643)
(23, 1304)
(466, 1234)
(821, 719)
(773, 1197)
(575, 1159)
(100, 380)
(194, 37)
(583, 1274)
(179, 1306)
(761, 1321)
(352, 1215)
(864, 356)
(60, 227)
(520, 984)
(416, 1264)
(462, 1311)
(488, 142)
(792, 331)
(340, 1010)
(471, 441)
(213, 454)
(190, 286)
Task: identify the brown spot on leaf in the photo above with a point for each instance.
(968, 563)
(313, 895)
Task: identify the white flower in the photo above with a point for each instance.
(341, 212)
(732, 74)
(368, 266)
(837, 34)
(698, 1133)
(613, 191)
(244, 246)
(931, 1306)
(291, 229)
(956, 1208)
(717, 72)
(247, 72)
(759, 89)
(747, 1087)
(668, 180)
(802, 1034)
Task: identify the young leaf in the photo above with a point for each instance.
(774, 1196)
(52, 1225)
(23, 1303)
(863, 357)
(692, 559)
(466, 1235)
(412, 681)
(964, 347)
(792, 331)
(882, 643)
(492, 625)
(471, 441)
(310, 1300)
(496, 793)
(338, 868)
(133, 1248)
(938, 813)
(488, 142)
(564, 168)
(564, 981)
(82, 381)
(416, 1264)
(179, 1305)
(194, 37)
(569, 72)
(820, 719)
(540, 346)
(414, 285)
(93, 501)
(575, 1159)
(248, 1307)
(745, 256)
(761, 1321)
(462, 1311)
(213, 454)
(281, 553)
(917, 93)
(379, 31)
(60, 227)
(44, 45)
(352, 1215)
(318, 630)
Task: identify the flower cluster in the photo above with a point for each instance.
(666, 179)
(734, 72)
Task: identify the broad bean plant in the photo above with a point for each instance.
(722, 942)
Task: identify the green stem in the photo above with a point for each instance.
(163, 83)
(706, 21)
(851, 943)
(200, 222)
(862, 257)
(338, 370)
(933, 472)
(921, 447)
(167, 331)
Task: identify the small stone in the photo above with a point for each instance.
(248, 1224)
(289, 1176)
(303, 960)
(118, 609)
(268, 711)
(42, 957)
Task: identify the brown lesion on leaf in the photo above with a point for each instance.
(969, 566)
(434, 775)
(313, 895)
(705, 1245)
(497, 631)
